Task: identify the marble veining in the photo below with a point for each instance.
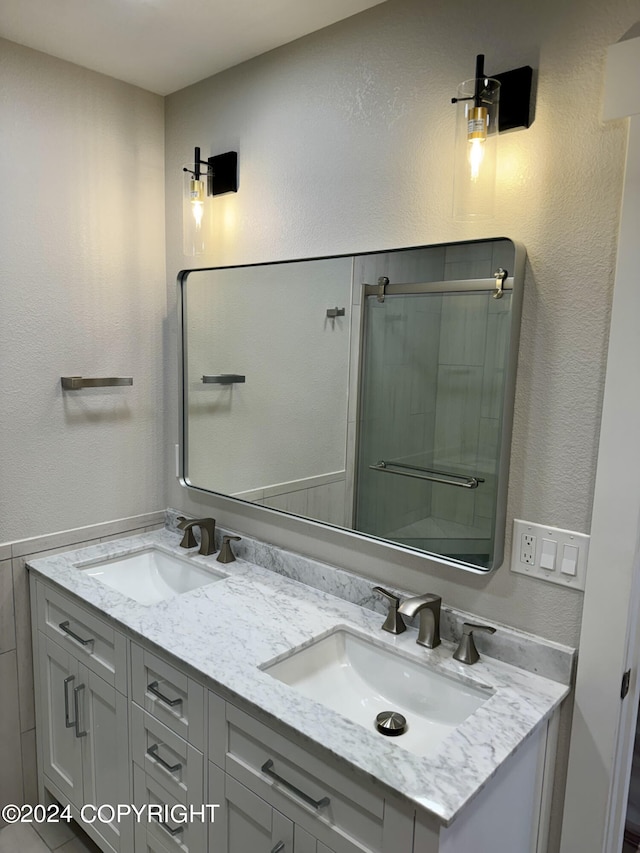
(227, 630)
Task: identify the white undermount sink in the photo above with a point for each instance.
(359, 679)
(150, 575)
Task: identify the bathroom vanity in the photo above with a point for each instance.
(206, 697)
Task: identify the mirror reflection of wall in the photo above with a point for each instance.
(279, 437)
(392, 419)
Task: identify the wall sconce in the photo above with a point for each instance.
(203, 178)
(485, 106)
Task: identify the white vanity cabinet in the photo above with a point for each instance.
(82, 719)
(262, 772)
(262, 778)
(119, 722)
(167, 750)
(245, 821)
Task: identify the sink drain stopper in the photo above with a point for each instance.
(391, 723)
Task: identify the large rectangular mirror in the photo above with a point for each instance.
(372, 392)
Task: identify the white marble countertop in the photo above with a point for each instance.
(225, 631)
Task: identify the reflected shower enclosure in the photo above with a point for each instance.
(371, 392)
(430, 420)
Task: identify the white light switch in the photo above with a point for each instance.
(548, 555)
(569, 560)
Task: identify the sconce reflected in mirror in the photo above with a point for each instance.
(203, 178)
(486, 106)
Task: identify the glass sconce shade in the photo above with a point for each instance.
(195, 213)
(477, 106)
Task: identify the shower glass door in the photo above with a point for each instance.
(433, 368)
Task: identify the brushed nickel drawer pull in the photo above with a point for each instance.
(317, 804)
(68, 723)
(152, 752)
(153, 688)
(279, 847)
(64, 626)
(76, 708)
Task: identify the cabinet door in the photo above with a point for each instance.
(306, 843)
(105, 769)
(244, 822)
(61, 746)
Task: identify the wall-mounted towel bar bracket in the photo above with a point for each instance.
(77, 383)
(223, 379)
(444, 477)
(383, 283)
(500, 275)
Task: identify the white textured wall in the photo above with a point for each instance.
(81, 292)
(345, 143)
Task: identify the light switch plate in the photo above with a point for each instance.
(526, 531)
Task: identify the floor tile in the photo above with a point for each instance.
(80, 843)
(55, 834)
(19, 836)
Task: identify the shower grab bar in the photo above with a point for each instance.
(223, 379)
(497, 283)
(76, 383)
(428, 474)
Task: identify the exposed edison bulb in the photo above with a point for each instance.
(196, 196)
(476, 156)
(476, 137)
(476, 149)
(195, 214)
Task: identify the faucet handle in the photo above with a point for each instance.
(467, 651)
(394, 623)
(189, 539)
(226, 555)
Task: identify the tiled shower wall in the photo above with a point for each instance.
(18, 776)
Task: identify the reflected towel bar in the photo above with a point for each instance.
(76, 383)
(427, 474)
(223, 379)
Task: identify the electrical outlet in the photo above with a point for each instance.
(560, 558)
(528, 549)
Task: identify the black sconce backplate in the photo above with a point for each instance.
(222, 173)
(515, 98)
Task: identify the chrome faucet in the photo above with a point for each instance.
(207, 534)
(428, 606)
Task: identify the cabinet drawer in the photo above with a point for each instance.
(168, 695)
(166, 757)
(337, 809)
(90, 640)
(147, 843)
(188, 836)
